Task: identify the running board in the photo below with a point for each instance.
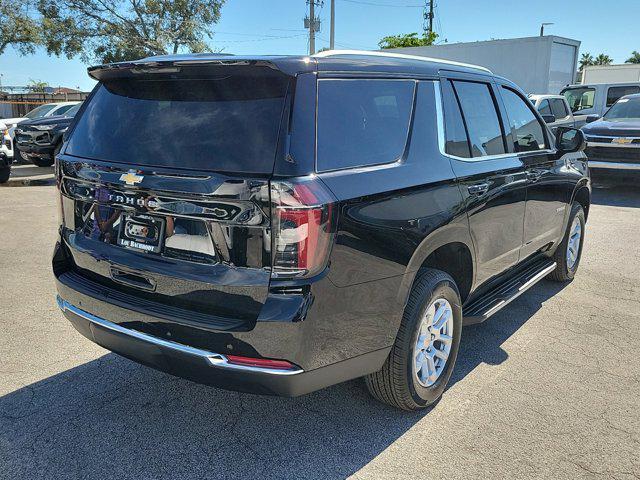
(493, 301)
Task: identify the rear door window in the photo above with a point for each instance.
(216, 119)
(558, 108)
(456, 140)
(362, 122)
(524, 124)
(615, 93)
(481, 118)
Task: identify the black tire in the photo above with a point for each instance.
(5, 172)
(564, 273)
(396, 384)
(42, 162)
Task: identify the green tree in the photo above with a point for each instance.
(634, 58)
(18, 27)
(408, 40)
(603, 59)
(586, 60)
(37, 85)
(114, 30)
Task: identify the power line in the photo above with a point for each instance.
(262, 39)
(374, 4)
(262, 35)
(352, 46)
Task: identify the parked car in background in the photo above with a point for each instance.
(613, 142)
(309, 220)
(42, 111)
(40, 140)
(594, 99)
(5, 159)
(554, 110)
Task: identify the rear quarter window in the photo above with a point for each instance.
(362, 122)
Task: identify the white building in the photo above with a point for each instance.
(537, 64)
(624, 73)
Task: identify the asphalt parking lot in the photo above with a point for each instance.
(547, 388)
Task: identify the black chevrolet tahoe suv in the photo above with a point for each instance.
(279, 224)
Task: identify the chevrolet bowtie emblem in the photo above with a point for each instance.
(130, 178)
(622, 140)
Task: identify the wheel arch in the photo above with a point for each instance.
(582, 195)
(449, 249)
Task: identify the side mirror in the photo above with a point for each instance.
(549, 118)
(592, 118)
(570, 140)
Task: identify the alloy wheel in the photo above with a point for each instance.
(433, 343)
(573, 244)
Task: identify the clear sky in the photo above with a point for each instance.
(276, 27)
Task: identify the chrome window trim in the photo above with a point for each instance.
(442, 141)
(217, 360)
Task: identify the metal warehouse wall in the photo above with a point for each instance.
(536, 64)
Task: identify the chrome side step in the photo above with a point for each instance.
(498, 298)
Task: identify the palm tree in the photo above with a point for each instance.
(634, 58)
(586, 60)
(603, 59)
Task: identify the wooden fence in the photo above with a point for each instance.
(17, 104)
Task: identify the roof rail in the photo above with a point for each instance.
(331, 53)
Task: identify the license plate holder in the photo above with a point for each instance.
(141, 232)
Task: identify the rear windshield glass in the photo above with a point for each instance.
(224, 121)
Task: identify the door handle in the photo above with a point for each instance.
(478, 188)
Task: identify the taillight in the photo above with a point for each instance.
(303, 214)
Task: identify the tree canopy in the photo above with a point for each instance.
(634, 58)
(408, 40)
(18, 28)
(108, 30)
(587, 60)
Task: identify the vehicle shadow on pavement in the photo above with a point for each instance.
(616, 194)
(112, 418)
(482, 343)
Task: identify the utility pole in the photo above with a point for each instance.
(312, 27)
(429, 15)
(332, 34)
(312, 23)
